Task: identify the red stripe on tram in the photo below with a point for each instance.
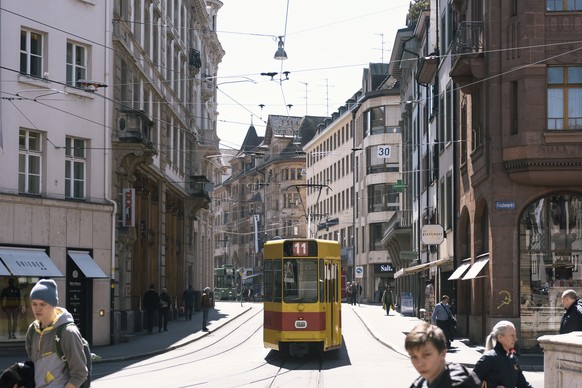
(276, 320)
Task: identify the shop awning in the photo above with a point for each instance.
(29, 262)
(460, 271)
(3, 270)
(86, 264)
(421, 267)
(476, 268)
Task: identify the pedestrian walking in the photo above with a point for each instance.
(188, 296)
(10, 301)
(50, 370)
(499, 366)
(427, 347)
(387, 300)
(164, 310)
(349, 293)
(354, 293)
(442, 316)
(572, 318)
(207, 304)
(151, 304)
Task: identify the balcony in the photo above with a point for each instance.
(427, 68)
(208, 89)
(467, 58)
(399, 227)
(194, 61)
(199, 187)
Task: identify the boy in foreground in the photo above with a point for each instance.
(427, 346)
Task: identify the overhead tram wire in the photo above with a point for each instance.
(269, 35)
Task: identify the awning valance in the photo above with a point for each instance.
(460, 271)
(86, 264)
(476, 268)
(29, 262)
(421, 267)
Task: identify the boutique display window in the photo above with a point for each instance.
(550, 234)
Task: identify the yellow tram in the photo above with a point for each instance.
(302, 295)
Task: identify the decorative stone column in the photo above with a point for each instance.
(562, 360)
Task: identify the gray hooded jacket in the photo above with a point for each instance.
(49, 369)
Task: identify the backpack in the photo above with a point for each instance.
(59, 351)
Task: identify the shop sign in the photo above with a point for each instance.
(432, 234)
(383, 268)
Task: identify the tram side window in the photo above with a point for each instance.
(300, 281)
(268, 278)
(321, 282)
(277, 275)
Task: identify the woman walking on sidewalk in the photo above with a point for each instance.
(498, 366)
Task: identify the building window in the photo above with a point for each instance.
(375, 122)
(550, 259)
(382, 197)
(291, 200)
(513, 108)
(563, 5)
(564, 97)
(31, 52)
(376, 234)
(29, 162)
(382, 159)
(450, 205)
(76, 63)
(75, 168)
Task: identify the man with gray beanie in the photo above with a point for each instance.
(49, 369)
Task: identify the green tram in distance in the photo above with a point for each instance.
(225, 282)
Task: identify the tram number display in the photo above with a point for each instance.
(300, 248)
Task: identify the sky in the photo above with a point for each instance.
(328, 44)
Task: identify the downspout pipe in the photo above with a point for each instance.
(108, 173)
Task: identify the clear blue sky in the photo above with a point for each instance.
(328, 42)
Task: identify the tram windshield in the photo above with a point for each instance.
(300, 281)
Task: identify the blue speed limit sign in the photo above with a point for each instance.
(359, 272)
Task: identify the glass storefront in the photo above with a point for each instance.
(550, 238)
(19, 311)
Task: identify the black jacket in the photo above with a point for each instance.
(572, 319)
(151, 300)
(454, 375)
(498, 368)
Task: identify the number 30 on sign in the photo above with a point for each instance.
(384, 151)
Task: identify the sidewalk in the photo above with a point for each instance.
(142, 345)
(390, 330)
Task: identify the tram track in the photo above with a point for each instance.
(145, 367)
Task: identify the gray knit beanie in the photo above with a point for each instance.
(46, 290)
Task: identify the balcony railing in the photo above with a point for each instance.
(468, 40)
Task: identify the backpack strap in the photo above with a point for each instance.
(57, 342)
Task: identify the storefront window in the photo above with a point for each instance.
(550, 253)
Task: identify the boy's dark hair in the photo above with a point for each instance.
(445, 297)
(423, 333)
